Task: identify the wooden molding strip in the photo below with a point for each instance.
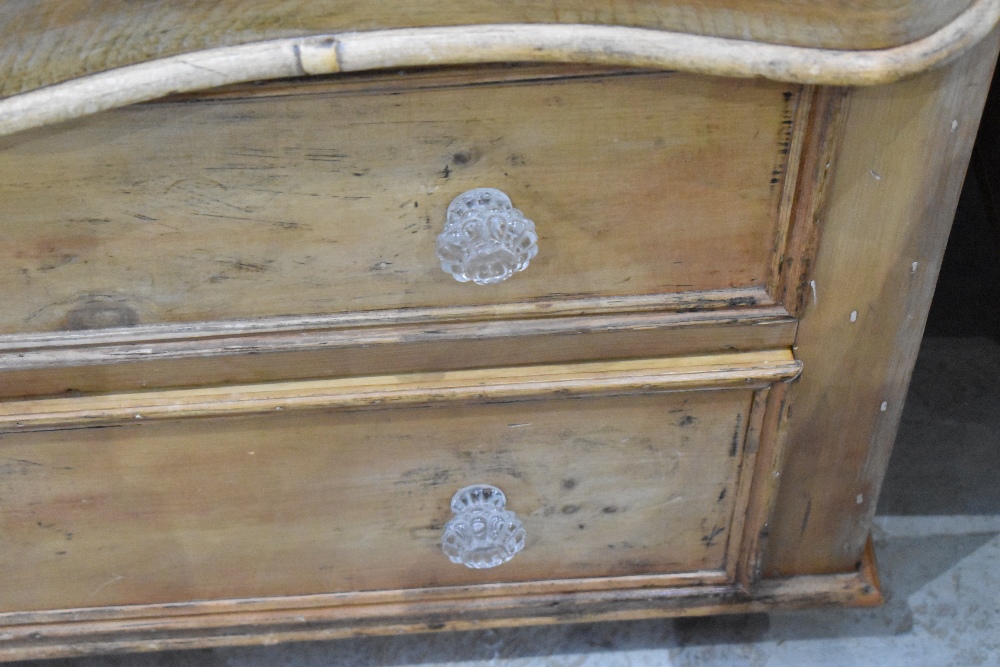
(695, 306)
(218, 609)
(745, 370)
(457, 45)
(256, 621)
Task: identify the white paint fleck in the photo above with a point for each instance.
(113, 579)
(954, 125)
(812, 284)
(137, 416)
(251, 453)
(913, 267)
(518, 425)
(854, 316)
(278, 407)
(874, 175)
(860, 499)
(884, 406)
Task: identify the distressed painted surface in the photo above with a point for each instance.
(330, 200)
(288, 504)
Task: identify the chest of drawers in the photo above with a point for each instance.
(245, 399)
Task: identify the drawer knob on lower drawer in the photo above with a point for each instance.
(485, 239)
(483, 532)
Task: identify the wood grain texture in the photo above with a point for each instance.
(75, 366)
(296, 503)
(331, 201)
(495, 385)
(891, 202)
(488, 44)
(44, 39)
(248, 622)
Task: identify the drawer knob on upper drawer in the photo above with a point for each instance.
(483, 532)
(485, 239)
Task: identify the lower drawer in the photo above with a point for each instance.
(626, 469)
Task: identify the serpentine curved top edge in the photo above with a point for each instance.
(480, 44)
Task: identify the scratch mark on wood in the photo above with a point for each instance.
(40, 465)
(113, 579)
(709, 539)
(734, 445)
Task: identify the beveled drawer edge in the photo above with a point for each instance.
(79, 352)
(749, 370)
(245, 622)
(220, 607)
(452, 45)
(744, 302)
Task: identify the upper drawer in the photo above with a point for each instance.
(327, 197)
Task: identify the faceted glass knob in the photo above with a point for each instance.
(485, 239)
(483, 533)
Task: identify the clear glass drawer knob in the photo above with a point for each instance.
(485, 239)
(483, 533)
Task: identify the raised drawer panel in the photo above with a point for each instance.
(156, 509)
(328, 198)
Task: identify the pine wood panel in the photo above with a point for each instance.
(44, 39)
(329, 202)
(129, 360)
(754, 370)
(894, 189)
(292, 503)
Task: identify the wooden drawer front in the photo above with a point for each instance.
(328, 197)
(608, 478)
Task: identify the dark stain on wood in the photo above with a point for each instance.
(101, 313)
(686, 420)
(709, 540)
(734, 445)
(722, 495)
(425, 476)
(570, 509)
(569, 484)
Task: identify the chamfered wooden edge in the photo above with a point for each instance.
(748, 370)
(464, 45)
(314, 617)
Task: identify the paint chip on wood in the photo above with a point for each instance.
(884, 406)
(875, 175)
(854, 316)
(860, 498)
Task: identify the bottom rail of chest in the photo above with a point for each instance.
(388, 504)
